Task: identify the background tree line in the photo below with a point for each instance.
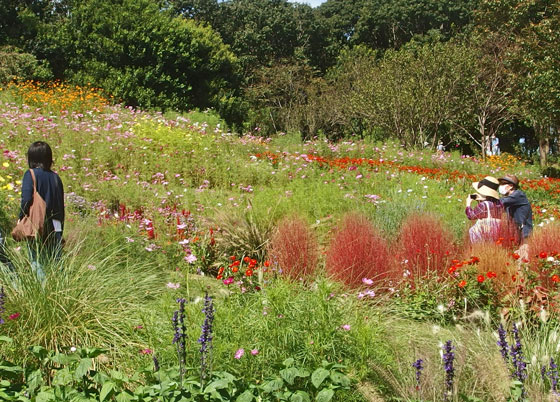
(419, 71)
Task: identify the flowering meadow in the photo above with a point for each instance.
(203, 265)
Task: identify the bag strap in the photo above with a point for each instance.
(34, 181)
(488, 207)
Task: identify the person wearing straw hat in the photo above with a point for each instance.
(488, 212)
(516, 204)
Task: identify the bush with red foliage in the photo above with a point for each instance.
(424, 245)
(294, 248)
(357, 251)
(544, 239)
(508, 233)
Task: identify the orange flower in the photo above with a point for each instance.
(515, 256)
(249, 272)
(266, 263)
(462, 284)
(452, 269)
(246, 259)
(234, 269)
(480, 278)
(555, 278)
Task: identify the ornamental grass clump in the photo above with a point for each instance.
(294, 249)
(424, 245)
(358, 251)
(544, 239)
(494, 263)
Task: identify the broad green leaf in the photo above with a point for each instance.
(6, 339)
(325, 395)
(246, 396)
(83, 368)
(273, 385)
(300, 396)
(39, 352)
(319, 376)
(124, 397)
(289, 374)
(106, 390)
(63, 377)
(34, 380)
(340, 379)
(63, 359)
(93, 352)
(45, 396)
(289, 362)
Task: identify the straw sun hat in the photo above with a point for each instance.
(487, 187)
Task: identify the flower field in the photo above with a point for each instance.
(202, 265)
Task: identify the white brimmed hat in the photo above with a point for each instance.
(487, 187)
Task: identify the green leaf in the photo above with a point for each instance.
(63, 377)
(63, 359)
(39, 352)
(319, 376)
(108, 387)
(325, 395)
(6, 339)
(93, 352)
(83, 368)
(340, 379)
(246, 396)
(34, 380)
(45, 396)
(273, 385)
(289, 374)
(124, 397)
(289, 362)
(300, 396)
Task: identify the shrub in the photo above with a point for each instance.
(494, 259)
(424, 244)
(544, 239)
(357, 251)
(87, 300)
(294, 248)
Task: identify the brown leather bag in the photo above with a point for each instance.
(32, 225)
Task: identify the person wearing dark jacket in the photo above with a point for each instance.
(516, 205)
(49, 187)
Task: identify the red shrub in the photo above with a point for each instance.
(294, 248)
(424, 245)
(357, 251)
(544, 239)
(508, 234)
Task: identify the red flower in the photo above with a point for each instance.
(516, 256)
(234, 269)
(555, 278)
(475, 260)
(462, 284)
(266, 263)
(543, 254)
(452, 269)
(14, 316)
(249, 272)
(233, 258)
(491, 274)
(246, 259)
(480, 278)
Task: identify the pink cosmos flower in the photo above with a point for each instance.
(146, 351)
(367, 281)
(228, 281)
(191, 258)
(14, 316)
(239, 354)
(254, 352)
(345, 327)
(172, 285)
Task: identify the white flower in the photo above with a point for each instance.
(191, 258)
(73, 349)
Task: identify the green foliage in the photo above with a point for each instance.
(23, 66)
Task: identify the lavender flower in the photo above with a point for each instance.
(180, 335)
(418, 366)
(2, 301)
(516, 352)
(553, 374)
(448, 358)
(502, 343)
(205, 339)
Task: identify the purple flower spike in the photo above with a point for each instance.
(448, 358)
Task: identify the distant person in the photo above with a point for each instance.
(488, 211)
(516, 205)
(49, 187)
(440, 147)
(495, 145)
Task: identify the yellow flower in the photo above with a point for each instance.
(2, 179)
(6, 164)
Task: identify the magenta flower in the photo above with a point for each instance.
(255, 352)
(239, 353)
(345, 327)
(146, 351)
(14, 316)
(228, 281)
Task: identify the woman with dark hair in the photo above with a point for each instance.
(49, 187)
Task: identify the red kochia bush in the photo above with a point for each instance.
(424, 244)
(294, 248)
(544, 239)
(357, 251)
